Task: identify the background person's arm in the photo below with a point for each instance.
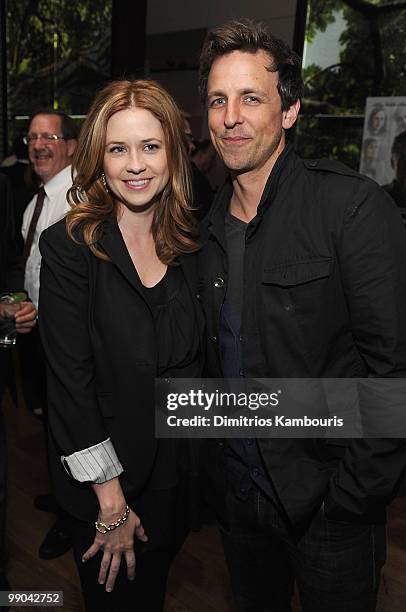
(12, 265)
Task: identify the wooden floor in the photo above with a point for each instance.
(198, 580)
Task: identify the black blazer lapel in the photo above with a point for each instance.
(112, 243)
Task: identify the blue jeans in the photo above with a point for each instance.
(334, 564)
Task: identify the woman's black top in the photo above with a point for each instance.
(178, 357)
(178, 343)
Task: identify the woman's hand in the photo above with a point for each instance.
(116, 543)
(119, 541)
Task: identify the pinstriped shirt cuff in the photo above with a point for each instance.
(96, 464)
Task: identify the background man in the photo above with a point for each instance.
(202, 191)
(302, 275)
(204, 156)
(11, 278)
(397, 188)
(52, 138)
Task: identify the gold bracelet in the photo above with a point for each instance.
(103, 528)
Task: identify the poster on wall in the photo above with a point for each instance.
(385, 118)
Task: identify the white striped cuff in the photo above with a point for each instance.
(96, 464)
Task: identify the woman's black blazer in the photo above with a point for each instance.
(101, 348)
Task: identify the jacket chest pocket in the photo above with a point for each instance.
(297, 273)
(298, 287)
(294, 303)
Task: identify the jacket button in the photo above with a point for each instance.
(214, 338)
(219, 282)
(242, 372)
(198, 296)
(288, 307)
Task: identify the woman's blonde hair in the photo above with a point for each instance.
(173, 226)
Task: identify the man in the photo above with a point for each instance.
(11, 278)
(397, 188)
(204, 156)
(51, 139)
(302, 276)
(202, 191)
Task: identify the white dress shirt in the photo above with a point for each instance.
(97, 464)
(54, 208)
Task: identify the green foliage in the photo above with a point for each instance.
(372, 63)
(58, 51)
(336, 138)
(319, 16)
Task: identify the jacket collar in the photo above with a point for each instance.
(283, 167)
(112, 243)
(280, 172)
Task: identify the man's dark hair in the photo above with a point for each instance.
(252, 36)
(69, 128)
(398, 143)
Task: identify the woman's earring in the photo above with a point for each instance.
(103, 178)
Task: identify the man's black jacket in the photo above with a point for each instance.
(11, 263)
(324, 296)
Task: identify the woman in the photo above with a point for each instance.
(119, 308)
(377, 120)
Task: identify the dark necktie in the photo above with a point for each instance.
(34, 220)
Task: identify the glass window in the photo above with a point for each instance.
(58, 54)
(352, 50)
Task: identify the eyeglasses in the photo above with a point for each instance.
(31, 138)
